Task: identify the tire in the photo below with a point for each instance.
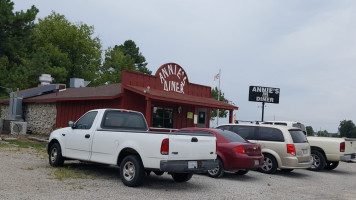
(158, 173)
(318, 161)
(55, 157)
(242, 172)
(218, 171)
(181, 177)
(132, 171)
(331, 165)
(287, 170)
(270, 164)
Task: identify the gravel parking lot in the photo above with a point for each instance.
(26, 174)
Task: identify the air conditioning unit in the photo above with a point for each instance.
(18, 128)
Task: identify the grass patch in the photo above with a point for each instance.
(23, 144)
(68, 173)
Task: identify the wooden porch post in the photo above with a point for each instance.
(148, 112)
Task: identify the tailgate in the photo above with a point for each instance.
(350, 146)
(191, 147)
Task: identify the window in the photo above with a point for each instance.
(201, 119)
(183, 131)
(247, 132)
(197, 132)
(86, 121)
(231, 136)
(270, 134)
(162, 117)
(123, 120)
(298, 136)
(280, 123)
(224, 127)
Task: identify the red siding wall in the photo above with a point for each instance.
(72, 110)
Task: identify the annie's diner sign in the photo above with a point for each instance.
(172, 77)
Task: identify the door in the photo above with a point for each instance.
(78, 139)
(202, 117)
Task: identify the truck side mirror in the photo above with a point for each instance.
(71, 124)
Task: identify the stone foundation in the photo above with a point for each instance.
(40, 117)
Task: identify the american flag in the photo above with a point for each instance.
(216, 77)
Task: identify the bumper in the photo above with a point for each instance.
(293, 163)
(348, 157)
(185, 166)
(247, 162)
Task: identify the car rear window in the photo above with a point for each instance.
(298, 136)
(231, 136)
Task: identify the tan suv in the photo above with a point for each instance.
(285, 148)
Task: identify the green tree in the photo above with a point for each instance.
(129, 48)
(64, 50)
(222, 113)
(15, 39)
(310, 131)
(323, 133)
(347, 129)
(115, 62)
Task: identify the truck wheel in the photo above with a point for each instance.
(217, 171)
(55, 155)
(318, 161)
(132, 171)
(270, 164)
(181, 177)
(242, 172)
(331, 165)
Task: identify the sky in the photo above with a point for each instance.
(305, 48)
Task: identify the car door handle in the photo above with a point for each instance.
(194, 139)
(87, 136)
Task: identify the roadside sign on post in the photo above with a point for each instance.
(264, 95)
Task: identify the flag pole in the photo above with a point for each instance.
(217, 113)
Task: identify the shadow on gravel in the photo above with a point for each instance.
(293, 174)
(166, 183)
(111, 173)
(95, 170)
(236, 177)
(337, 172)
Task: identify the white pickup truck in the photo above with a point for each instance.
(121, 137)
(327, 152)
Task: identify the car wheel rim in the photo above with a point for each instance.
(214, 171)
(267, 164)
(129, 171)
(316, 161)
(54, 155)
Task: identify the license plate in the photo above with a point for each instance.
(257, 162)
(192, 164)
(305, 151)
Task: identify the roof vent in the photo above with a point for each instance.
(45, 79)
(78, 82)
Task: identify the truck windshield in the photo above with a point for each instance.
(124, 120)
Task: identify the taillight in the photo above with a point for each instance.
(165, 147)
(291, 149)
(240, 149)
(342, 147)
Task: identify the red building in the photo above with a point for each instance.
(168, 100)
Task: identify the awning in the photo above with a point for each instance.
(160, 95)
